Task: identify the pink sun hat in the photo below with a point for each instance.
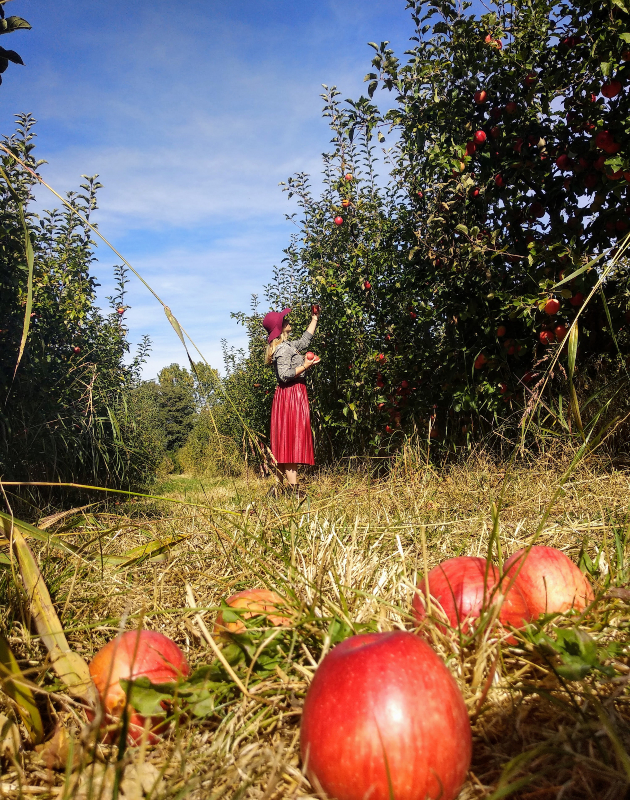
(272, 323)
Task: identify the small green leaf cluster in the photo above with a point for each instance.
(575, 652)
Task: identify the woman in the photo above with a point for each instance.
(291, 437)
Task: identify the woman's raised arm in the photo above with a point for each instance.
(304, 342)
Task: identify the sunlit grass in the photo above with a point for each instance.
(347, 560)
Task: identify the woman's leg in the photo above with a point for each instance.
(290, 471)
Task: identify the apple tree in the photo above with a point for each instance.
(449, 281)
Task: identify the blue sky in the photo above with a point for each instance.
(192, 113)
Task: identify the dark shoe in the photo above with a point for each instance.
(276, 491)
(295, 491)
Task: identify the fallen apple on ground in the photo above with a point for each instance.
(383, 718)
(251, 603)
(132, 655)
(462, 588)
(549, 581)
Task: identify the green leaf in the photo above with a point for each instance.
(18, 688)
(68, 665)
(146, 697)
(578, 652)
(462, 229)
(338, 631)
(11, 55)
(16, 24)
(572, 349)
(204, 706)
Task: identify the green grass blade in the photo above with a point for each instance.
(15, 685)
(68, 665)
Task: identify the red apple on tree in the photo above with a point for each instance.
(547, 337)
(604, 139)
(480, 361)
(480, 137)
(348, 177)
(560, 332)
(498, 179)
(345, 203)
(511, 107)
(563, 162)
(552, 306)
(611, 89)
(367, 285)
(590, 180)
(338, 220)
(383, 718)
(121, 310)
(76, 349)
(501, 331)
(577, 299)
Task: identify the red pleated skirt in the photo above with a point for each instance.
(291, 435)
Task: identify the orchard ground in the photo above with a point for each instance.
(550, 714)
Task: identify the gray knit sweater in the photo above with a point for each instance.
(287, 357)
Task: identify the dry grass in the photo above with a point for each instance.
(347, 560)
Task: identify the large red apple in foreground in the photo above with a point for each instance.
(549, 580)
(384, 718)
(463, 588)
(136, 654)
